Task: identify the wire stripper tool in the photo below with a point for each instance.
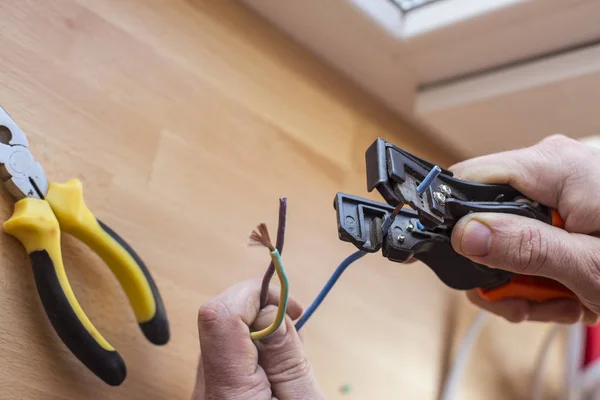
(438, 200)
(42, 210)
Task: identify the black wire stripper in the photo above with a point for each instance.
(438, 200)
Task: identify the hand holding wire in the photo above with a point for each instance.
(234, 367)
(525, 246)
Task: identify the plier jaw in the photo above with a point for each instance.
(360, 222)
(396, 175)
(438, 200)
(23, 176)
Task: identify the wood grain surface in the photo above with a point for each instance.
(186, 120)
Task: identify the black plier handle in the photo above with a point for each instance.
(37, 224)
(41, 212)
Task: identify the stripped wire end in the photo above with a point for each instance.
(390, 220)
(261, 237)
(397, 210)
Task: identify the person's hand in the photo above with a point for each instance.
(234, 367)
(558, 172)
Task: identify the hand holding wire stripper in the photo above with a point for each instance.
(41, 212)
(438, 200)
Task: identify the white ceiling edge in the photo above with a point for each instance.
(352, 42)
(446, 13)
(387, 63)
(539, 73)
(365, 39)
(389, 16)
(343, 35)
(426, 19)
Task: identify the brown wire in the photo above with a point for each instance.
(261, 237)
(264, 292)
(396, 212)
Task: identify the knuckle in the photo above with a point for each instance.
(557, 140)
(475, 299)
(595, 260)
(220, 388)
(211, 312)
(515, 315)
(594, 271)
(561, 147)
(528, 251)
(291, 368)
(515, 312)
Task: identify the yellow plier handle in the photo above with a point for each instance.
(37, 224)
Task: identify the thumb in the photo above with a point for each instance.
(284, 360)
(527, 246)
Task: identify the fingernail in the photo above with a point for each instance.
(476, 239)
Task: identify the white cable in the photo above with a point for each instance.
(587, 383)
(582, 385)
(459, 365)
(578, 385)
(536, 387)
(574, 359)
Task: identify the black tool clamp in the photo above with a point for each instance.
(438, 200)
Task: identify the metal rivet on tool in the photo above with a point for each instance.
(410, 227)
(439, 198)
(401, 238)
(423, 186)
(445, 189)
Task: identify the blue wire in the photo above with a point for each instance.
(328, 286)
(434, 173)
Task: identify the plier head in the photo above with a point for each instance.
(424, 233)
(361, 222)
(23, 176)
(396, 175)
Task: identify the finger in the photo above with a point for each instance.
(199, 389)
(539, 172)
(526, 246)
(513, 310)
(284, 360)
(229, 355)
(590, 318)
(562, 311)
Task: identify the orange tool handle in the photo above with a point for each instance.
(557, 220)
(532, 288)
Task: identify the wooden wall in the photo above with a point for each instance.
(186, 121)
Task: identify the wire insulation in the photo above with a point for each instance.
(450, 389)
(574, 360)
(340, 270)
(328, 286)
(537, 390)
(587, 384)
(283, 300)
(264, 292)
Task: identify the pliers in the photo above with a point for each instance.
(438, 200)
(42, 210)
